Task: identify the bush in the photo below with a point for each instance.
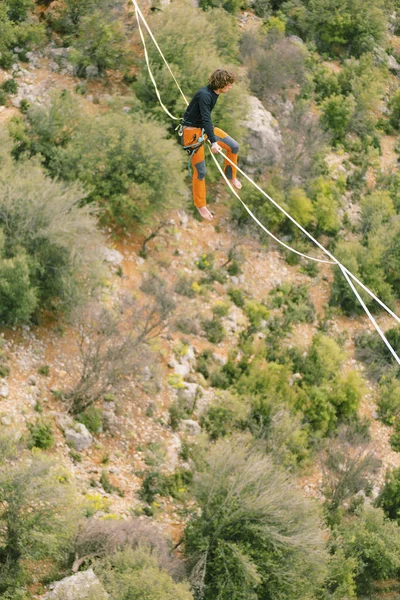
(214, 330)
(371, 349)
(389, 496)
(337, 112)
(18, 29)
(389, 401)
(99, 43)
(128, 177)
(324, 360)
(32, 486)
(50, 249)
(136, 574)
(295, 301)
(92, 418)
(375, 544)
(354, 26)
(249, 511)
(10, 86)
(41, 435)
(237, 297)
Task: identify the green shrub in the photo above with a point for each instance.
(389, 496)
(295, 301)
(49, 247)
(3, 98)
(136, 574)
(375, 544)
(214, 330)
(389, 401)
(184, 286)
(41, 434)
(337, 112)
(256, 313)
(92, 418)
(324, 360)
(247, 511)
(130, 179)
(371, 349)
(99, 43)
(34, 486)
(10, 86)
(237, 297)
(394, 106)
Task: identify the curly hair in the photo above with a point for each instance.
(220, 78)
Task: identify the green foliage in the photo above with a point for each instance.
(237, 297)
(374, 542)
(65, 17)
(214, 330)
(355, 26)
(224, 416)
(231, 6)
(259, 205)
(256, 312)
(36, 516)
(389, 401)
(337, 112)
(373, 351)
(18, 29)
(389, 496)
(376, 210)
(49, 250)
(241, 543)
(394, 106)
(92, 418)
(325, 195)
(99, 43)
(136, 574)
(18, 297)
(10, 86)
(300, 206)
(295, 302)
(128, 177)
(323, 361)
(41, 434)
(368, 264)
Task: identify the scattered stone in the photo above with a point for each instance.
(393, 64)
(189, 393)
(78, 437)
(32, 380)
(81, 585)
(6, 421)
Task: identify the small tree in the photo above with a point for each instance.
(256, 536)
(36, 510)
(110, 350)
(348, 466)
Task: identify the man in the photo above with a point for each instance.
(197, 118)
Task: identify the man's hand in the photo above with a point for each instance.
(215, 148)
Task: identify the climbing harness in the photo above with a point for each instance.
(192, 148)
(348, 275)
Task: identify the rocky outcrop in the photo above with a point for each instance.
(82, 586)
(264, 138)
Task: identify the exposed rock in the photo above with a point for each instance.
(393, 64)
(32, 380)
(189, 394)
(191, 427)
(6, 421)
(4, 391)
(264, 138)
(64, 421)
(81, 586)
(78, 437)
(91, 71)
(112, 256)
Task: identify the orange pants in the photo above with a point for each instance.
(190, 135)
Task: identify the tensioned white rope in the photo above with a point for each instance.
(347, 274)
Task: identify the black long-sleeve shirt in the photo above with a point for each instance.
(198, 113)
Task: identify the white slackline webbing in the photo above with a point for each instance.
(346, 273)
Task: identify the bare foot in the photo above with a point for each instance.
(205, 213)
(236, 183)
